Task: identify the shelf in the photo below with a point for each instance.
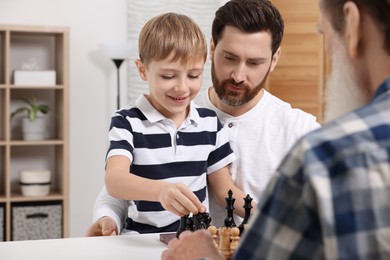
(21, 87)
(17, 197)
(35, 143)
(2, 170)
(43, 48)
(3, 117)
(3, 46)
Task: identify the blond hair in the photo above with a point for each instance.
(172, 33)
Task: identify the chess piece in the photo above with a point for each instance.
(248, 207)
(213, 232)
(229, 220)
(201, 221)
(224, 242)
(235, 236)
(190, 224)
(183, 225)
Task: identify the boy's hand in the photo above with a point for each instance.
(179, 199)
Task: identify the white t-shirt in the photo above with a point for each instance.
(260, 138)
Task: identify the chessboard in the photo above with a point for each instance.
(225, 238)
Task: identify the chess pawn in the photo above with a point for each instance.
(224, 242)
(213, 232)
(235, 237)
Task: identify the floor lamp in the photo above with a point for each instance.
(117, 53)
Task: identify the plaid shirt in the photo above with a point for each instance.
(330, 197)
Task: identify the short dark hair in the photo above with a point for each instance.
(379, 10)
(249, 16)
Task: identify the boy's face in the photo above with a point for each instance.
(172, 85)
(241, 63)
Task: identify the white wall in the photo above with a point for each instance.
(92, 86)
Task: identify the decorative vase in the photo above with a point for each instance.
(35, 182)
(35, 130)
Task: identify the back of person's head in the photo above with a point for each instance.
(171, 33)
(379, 10)
(249, 16)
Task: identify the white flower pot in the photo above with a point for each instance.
(35, 130)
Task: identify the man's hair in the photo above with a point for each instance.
(171, 33)
(379, 10)
(249, 16)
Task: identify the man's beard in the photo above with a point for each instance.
(344, 90)
(232, 98)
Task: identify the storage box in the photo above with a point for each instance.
(36, 221)
(2, 223)
(35, 77)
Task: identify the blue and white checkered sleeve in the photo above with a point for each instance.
(285, 224)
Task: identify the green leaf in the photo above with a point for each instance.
(19, 110)
(32, 108)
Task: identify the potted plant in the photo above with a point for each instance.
(34, 125)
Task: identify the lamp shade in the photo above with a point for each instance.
(117, 50)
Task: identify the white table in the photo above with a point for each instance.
(129, 247)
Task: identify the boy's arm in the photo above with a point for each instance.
(220, 182)
(174, 197)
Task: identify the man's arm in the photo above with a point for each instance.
(285, 224)
(109, 214)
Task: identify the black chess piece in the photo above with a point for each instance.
(201, 221)
(248, 207)
(183, 225)
(190, 224)
(229, 220)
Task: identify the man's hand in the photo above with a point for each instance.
(104, 226)
(192, 245)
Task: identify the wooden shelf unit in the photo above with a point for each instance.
(48, 47)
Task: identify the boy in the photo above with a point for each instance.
(163, 149)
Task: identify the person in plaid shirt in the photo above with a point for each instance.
(329, 198)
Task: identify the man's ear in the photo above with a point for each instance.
(352, 28)
(275, 59)
(212, 49)
(141, 69)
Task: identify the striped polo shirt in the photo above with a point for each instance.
(158, 150)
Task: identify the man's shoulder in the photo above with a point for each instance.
(284, 107)
(342, 133)
(291, 118)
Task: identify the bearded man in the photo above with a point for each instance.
(329, 198)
